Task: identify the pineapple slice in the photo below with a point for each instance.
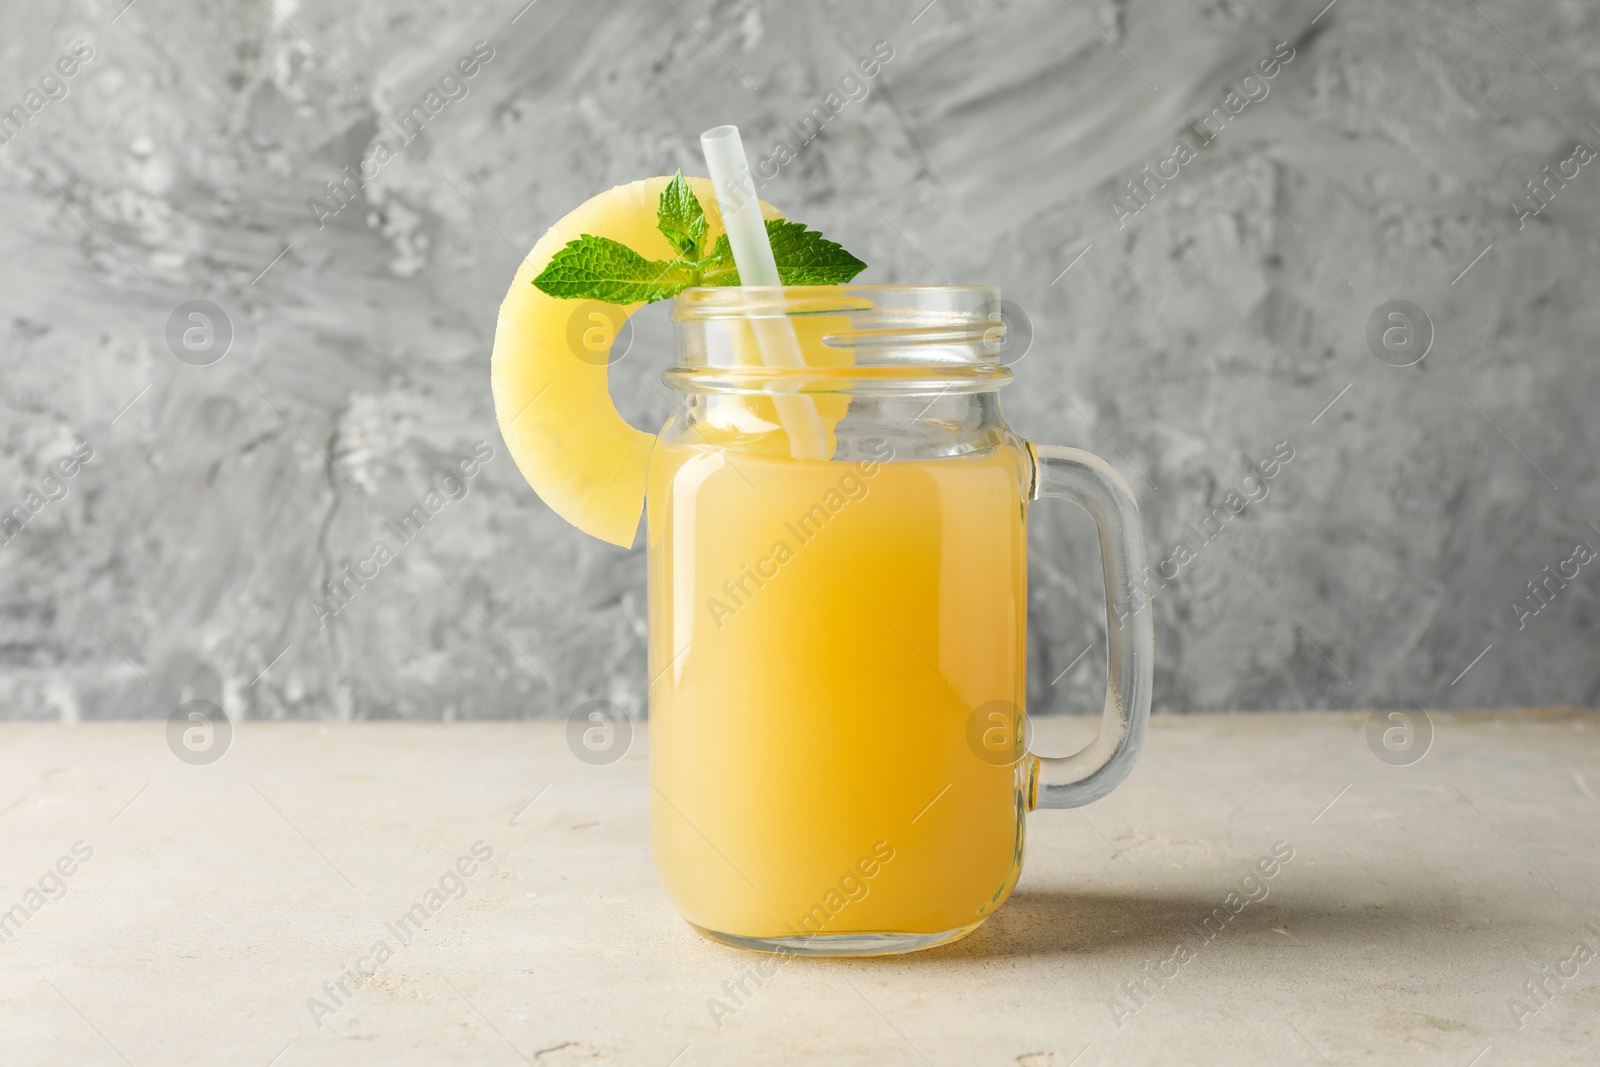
(549, 368)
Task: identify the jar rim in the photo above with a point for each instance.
(951, 305)
(888, 339)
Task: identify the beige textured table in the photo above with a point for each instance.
(1431, 914)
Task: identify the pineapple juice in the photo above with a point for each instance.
(822, 634)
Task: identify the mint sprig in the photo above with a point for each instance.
(598, 268)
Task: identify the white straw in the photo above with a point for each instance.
(752, 254)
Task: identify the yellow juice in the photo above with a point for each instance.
(823, 635)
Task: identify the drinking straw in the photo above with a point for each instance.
(776, 342)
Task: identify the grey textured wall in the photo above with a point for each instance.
(1184, 340)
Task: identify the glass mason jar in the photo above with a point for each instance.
(838, 641)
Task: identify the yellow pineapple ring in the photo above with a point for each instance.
(548, 372)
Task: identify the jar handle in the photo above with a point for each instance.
(1092, 484)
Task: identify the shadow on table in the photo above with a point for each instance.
(1144, 924)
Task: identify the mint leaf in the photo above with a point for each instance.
(805, 257)
(680, 217)
(598, 268)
